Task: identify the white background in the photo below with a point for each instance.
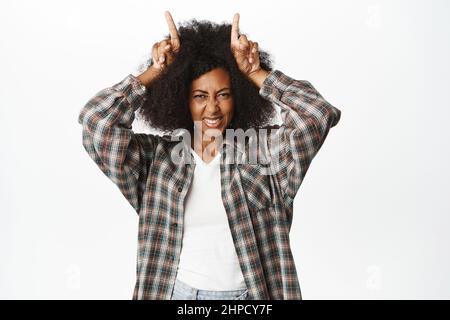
(372, 216)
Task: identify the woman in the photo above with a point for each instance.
(212, 225)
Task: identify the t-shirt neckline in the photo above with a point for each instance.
(202, 162)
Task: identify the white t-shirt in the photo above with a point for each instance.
(208, 258)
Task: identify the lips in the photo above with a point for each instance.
(212, 122)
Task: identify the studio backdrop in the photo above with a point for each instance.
(371, 218)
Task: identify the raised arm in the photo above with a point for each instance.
(306, 115)
(122, 155)
(306, 120)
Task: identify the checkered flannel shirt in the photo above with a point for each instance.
(259, 205)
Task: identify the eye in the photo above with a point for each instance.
(225, 94)
(199, 95)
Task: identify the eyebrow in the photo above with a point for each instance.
(207, 91)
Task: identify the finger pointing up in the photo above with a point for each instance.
(172, 29)
(235, 28)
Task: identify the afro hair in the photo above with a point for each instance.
(204, 46)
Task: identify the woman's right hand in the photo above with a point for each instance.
(164, 52)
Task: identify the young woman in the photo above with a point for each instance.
(211, 226)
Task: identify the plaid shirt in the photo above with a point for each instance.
(259, 206)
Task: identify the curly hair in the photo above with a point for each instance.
(204, 46)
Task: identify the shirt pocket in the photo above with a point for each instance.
(257, 186)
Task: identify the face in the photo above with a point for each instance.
(211, 102)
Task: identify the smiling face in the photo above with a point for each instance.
(210, 101)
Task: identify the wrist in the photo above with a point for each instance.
(147, 77)
(257, 77)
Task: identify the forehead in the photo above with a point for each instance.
(212, 80)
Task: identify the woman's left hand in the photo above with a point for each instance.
(245, 51)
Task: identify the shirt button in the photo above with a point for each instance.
(180, 189)
(174, 224)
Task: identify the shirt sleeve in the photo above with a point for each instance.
(122, 155)
(306, 120)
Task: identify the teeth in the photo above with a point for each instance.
(212, 121)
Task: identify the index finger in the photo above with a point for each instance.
(235, 28)
(172, 28)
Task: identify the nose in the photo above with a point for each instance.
(212, 105)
